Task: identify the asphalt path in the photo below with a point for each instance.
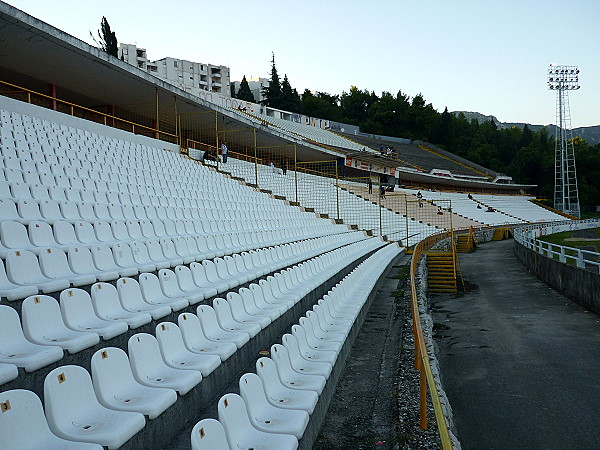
(520, 362)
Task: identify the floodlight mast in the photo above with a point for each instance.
(563, 79)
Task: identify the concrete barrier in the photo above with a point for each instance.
(580, 285)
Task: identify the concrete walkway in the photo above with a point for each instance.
(520, 363)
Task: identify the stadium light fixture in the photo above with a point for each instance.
(563, 79)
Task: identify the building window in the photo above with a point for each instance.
(153, 68)
(174, 63)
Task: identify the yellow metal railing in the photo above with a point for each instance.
(421, 357)
(106, 119)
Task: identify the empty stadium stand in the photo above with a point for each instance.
(114, 251)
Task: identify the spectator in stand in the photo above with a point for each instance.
(224, 151)
(382, 149)
(381, 191)
(285, 166)
(470, 197)
(370, 186)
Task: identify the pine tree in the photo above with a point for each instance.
(289, 99)
(107, 38)
(244, 92)
(272, 93)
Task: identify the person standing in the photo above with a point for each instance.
(370, 186)
(224, 151)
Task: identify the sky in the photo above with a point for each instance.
(468, 55)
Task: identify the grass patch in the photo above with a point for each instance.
(566, 239)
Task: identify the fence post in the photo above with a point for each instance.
(337, 191)
(296, 171)
(255, 160)
(562, 257)
(580, 262)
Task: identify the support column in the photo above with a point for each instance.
(52, 93)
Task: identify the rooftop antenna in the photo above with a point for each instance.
(563, 79)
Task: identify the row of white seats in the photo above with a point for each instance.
(54, 269)
(146, 381)
(80, 318)
(274, 404)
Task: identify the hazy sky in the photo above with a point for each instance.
(474, 55)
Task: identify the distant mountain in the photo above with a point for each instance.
(590, 134)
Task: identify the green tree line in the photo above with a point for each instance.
(525, 155)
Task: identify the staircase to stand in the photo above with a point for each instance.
(441, 268)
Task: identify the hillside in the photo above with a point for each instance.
(589, 134)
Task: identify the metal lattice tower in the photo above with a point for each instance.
(562, 79)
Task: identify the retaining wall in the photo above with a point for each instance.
(580, 285)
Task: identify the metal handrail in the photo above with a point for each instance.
(106, 117)
(421, 356)
(529, 235)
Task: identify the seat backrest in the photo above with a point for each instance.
(168, 282)
(103, 257)
(150, 287)
(252, 390)
(22, 267)
(85, 232)
(234, 417)
(54, 264)
(111, 371)
(209, 434)
(144, 354)
(10, 326)
(68, 393)
(80, 260)
(23, 423)
(14, 235)
(103, 231)
(40, 234)
(105, 299)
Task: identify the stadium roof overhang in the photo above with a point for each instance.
(36, 55)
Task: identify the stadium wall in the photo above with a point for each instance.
(580, 285)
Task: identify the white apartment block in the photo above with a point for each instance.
(189, 76)
(256, 87)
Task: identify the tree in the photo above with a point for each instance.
(272, 93)
(244, 92)
(107, 38)
(289, 99)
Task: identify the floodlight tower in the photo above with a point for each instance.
(563, 79)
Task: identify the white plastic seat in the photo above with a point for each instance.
(185, 279)
(23, 425)
(324, 358)
(124, 258)
(171, 288)
(243, 312)
(16, 349)
(116, 388)
(81, 262)
(177, 355)
(142, 258)
(104, 260)
(240, 432)
(291, 377)
(64, 233)
(105, 299)
(149, 368)
(130, 295)
(41, 235)
(8, 372)
(303, 337)
(209, 434)
(43, 324)
(152, 293)
(266, 417)
(199, 276)
(210, 272)
(228, 322)
(213, 331)
(11, 290)
(14, 235)
(195, 340)
(78, 313)
(22, 268)
(74, 413)
(54, 265)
